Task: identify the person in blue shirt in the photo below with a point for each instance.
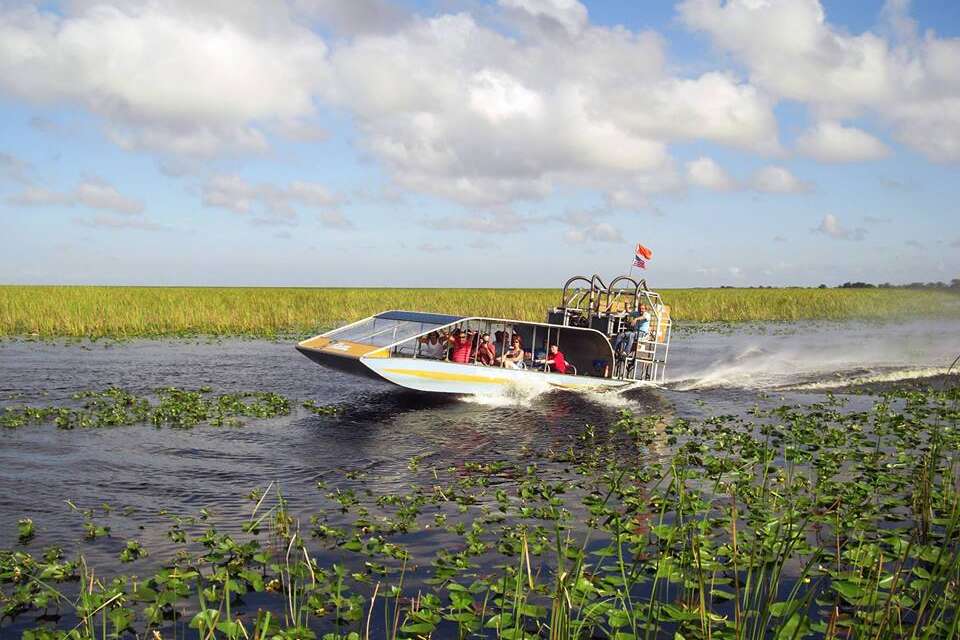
(626, 341)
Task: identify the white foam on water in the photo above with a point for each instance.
(616, 398)
(512, 394)
(816, 357)
(756, 367)
(522, 394)
(888, 376)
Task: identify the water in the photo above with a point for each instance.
(381, 427)
(142, 472)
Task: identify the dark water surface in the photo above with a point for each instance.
(144, 471)
(380, 427)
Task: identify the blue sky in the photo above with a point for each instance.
(468, 143)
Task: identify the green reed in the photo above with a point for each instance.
(792, 522)
(75, 311)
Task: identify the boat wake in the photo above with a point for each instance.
(513, 394)
(760, 368)
(878, 377)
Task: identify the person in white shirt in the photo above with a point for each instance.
(433, 346)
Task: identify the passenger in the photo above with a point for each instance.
(513, 357)
(500, 340)
(556, 361)
(460, 346)
(627, 340)
(486, 354)
(540, 353)
(432, 346)
(474, 344)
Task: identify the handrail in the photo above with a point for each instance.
(595, 293)
(566, 285)
(611, 290)
(575, 299)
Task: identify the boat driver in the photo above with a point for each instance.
(626, 340)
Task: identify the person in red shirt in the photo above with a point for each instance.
(556, 360)
(461, 346)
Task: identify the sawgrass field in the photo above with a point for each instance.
(126, 312)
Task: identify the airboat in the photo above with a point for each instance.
(395, 346)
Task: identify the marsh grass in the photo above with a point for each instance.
(125, 312)
(792, 522)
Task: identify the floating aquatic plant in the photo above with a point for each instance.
(169, 407)
(789, 522)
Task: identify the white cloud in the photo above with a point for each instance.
(482, 243)
(355, 16)
(448, 105)
(830, 226)
(588, 225)
(458, 110)
(497, 221)
(598, 232)
(93, 193)
(627, 199)
(230, 192)
(300, 130)
(269, 204)
(311, 194)
(830, 141)
(333, 219)
(109, 221)
(499, 97)
(38, 196)
(705, 172)
(97, 194)
(568, 14)
(429, 247)
(13, 168)
(713, 106)
(792, 51)
(774, 179)
(173, 76)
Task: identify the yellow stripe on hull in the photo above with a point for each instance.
(447, 377)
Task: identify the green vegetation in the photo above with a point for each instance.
(124, 312)
(791, 522)
(174, 408)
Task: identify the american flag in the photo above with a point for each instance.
(641, 255)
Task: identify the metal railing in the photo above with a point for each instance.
(649, 357)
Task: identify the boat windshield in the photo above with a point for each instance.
(387, 328)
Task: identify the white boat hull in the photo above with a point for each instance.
(439, 376)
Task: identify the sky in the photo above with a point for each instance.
(478, 143)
